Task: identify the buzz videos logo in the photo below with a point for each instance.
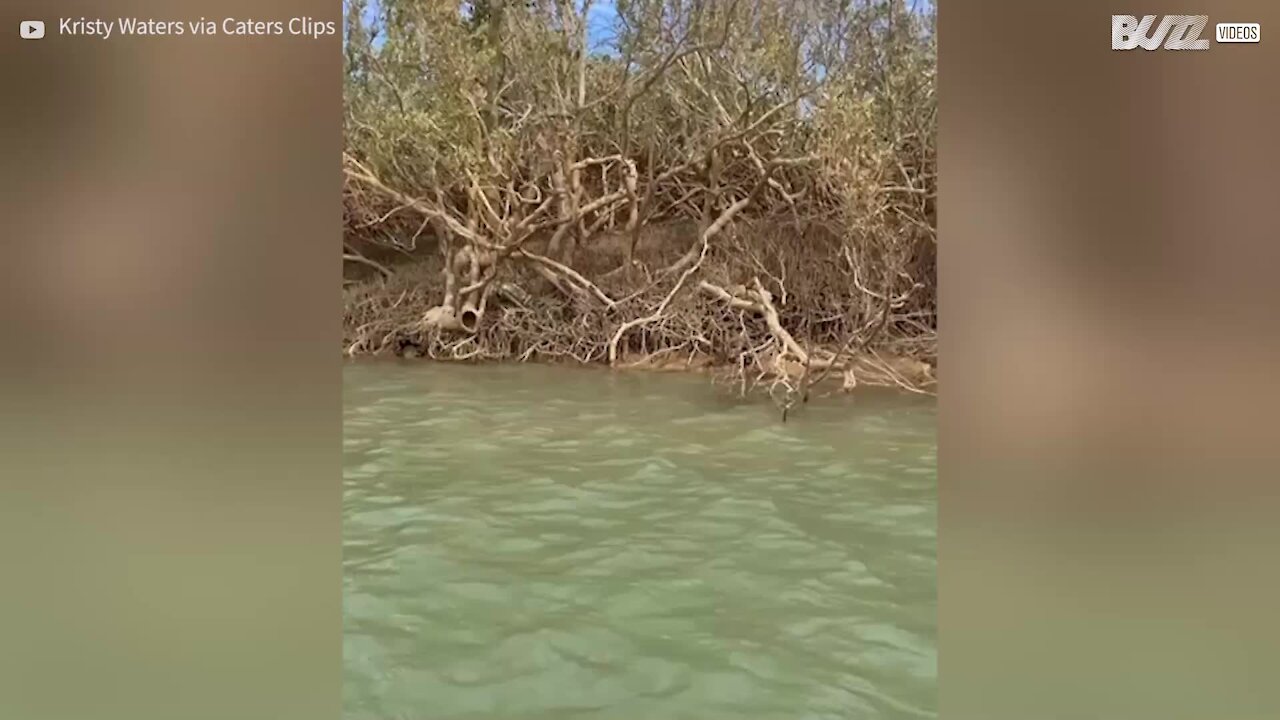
(1176, 32)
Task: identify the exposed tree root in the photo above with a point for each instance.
(739, 331)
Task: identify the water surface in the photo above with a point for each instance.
(539, 542)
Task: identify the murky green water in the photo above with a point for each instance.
(534, 542)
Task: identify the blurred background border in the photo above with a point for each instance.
(1108, 357)
(170, 410)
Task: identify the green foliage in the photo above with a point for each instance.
(448, 96)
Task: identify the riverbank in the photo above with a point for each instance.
(874, 370)
(754, 315)
(405, 335)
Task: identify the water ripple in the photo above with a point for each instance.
(544, 543)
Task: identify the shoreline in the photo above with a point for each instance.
(870, 370)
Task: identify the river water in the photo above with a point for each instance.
(541, 542)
